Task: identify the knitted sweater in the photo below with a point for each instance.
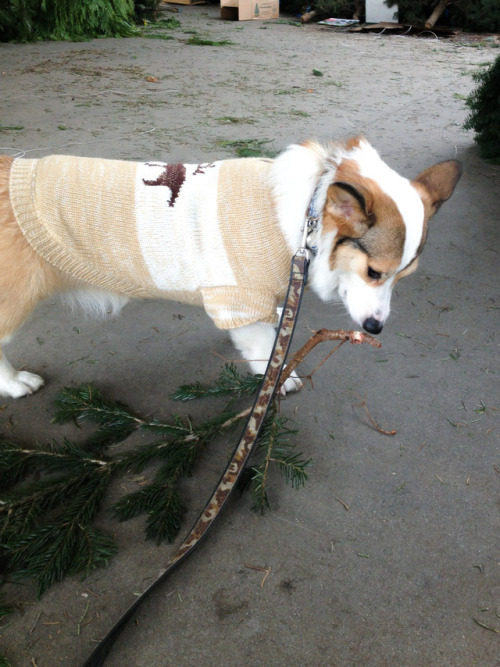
(204, 234)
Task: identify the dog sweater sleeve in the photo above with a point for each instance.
(254, 243)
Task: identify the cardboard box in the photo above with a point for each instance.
(246, 10)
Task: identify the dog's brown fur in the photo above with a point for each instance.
(27, 281)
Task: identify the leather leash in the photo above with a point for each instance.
(298, 278)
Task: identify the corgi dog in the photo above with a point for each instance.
(219, 234)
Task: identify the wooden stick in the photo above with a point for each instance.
(321, 336)
(308, 16)
(438, 10)
(374, 423)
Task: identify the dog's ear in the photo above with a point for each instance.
(346, 210)
(436, 184)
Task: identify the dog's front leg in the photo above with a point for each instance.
(17, 383)
(256, 342)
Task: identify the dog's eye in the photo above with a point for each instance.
(375, 275)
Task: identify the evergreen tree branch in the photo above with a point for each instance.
(85, 404)
(293, 469)
(229, 383)
(116, 423)
(277, 448)
(165, 521)
(159, 499)
(46, 529)
(67, 545)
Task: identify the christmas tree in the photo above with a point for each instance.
(484, 118)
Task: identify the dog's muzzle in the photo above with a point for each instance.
(372, 326)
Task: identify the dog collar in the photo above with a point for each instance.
(311, 224)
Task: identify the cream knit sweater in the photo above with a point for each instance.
(204, 234)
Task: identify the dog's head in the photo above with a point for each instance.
(374, 226)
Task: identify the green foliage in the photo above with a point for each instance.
(160, 501)
(473, 15)
(4, 662)
(483, 15)
(157, 29)
(50, 493)
(45, 524)
(230, 383)
(195, 40)
(27, 20)
(274, 447)
(484, 118)
(171, 23)
(115, 422)
(248, 147)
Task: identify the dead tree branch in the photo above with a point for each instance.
(321, 336)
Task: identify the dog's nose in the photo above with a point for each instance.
(372, 325)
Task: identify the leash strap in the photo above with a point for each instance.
(298, 278)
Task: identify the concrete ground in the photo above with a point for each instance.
(390, 555)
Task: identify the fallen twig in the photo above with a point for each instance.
(267, 570)
(344, 505)
(35, 623)
(486, 627)
(79, 624)
(374, 423)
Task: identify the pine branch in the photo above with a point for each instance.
(46, 521)
(165, 521)
(266, 442)
(14, 465)
(159, 499)
(230, 383)
(85, 404)
(116, 423)
(21, 509)
(276, 447)
(20, 512)
(58, 550)
(292, 467)
(67, 545)
(135, 460)
(50, 493)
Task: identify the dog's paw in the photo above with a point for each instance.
(20, 384)
(293, 383)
